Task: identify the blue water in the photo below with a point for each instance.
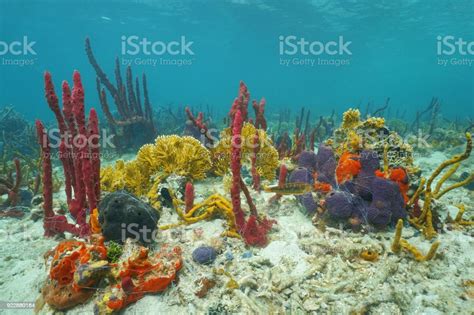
(393, 46)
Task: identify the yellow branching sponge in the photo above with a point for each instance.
(267, 158)
(399, 244)
(172, 154)
(424, 221)
(184, 156)
(213, 206)
(458, 220)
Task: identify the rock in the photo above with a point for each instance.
(204, 255)
(25, 197)
(122, 216)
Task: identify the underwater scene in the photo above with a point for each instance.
(236, 157)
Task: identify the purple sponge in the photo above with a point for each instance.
(326, 164)
(386, 196)
(307, 159)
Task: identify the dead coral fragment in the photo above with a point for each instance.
(399, 244)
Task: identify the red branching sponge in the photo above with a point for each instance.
(241, 103)
(189, 196)
(253, 160)
(259, 108)
(199, 123)
(235, 165)
(53, 224)
(254, 231)
(79, 154)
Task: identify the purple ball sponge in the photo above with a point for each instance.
(340, 205)
(303, 175)
(386, 197)
(378, 217)
(326, 164)
(308, 203)
(300, 175)
(369, 161)
(204, 255)
(307, 159)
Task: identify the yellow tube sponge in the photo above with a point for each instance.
(399, 243)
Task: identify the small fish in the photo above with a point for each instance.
(106, 18)
(289, 189)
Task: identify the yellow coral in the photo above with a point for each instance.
(172, 154)
(354, 142)
(350, 118)
(267, 157)
(375, 122)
